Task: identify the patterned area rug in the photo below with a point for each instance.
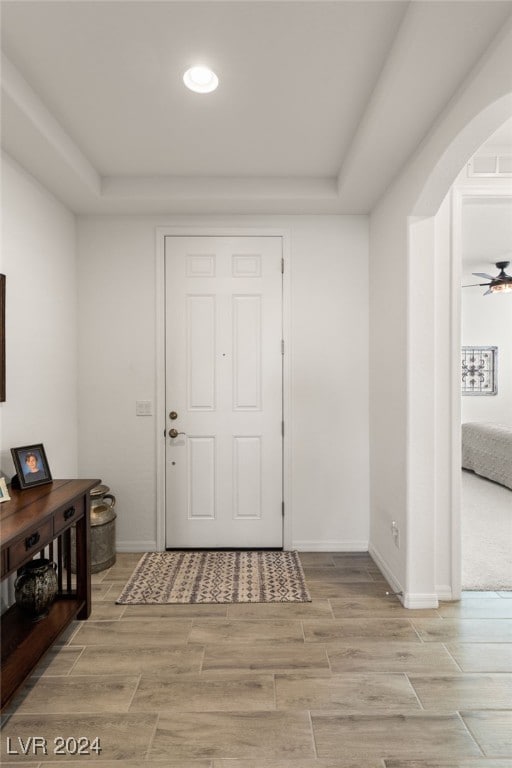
(216, 577)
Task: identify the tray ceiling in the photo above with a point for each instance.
(320, 104)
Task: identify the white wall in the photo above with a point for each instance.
(39, 260)
(329, 371)
(487, 320)
(388, 391)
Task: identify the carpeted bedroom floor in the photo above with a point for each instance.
(486, 522)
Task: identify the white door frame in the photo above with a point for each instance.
(459, 196)
(160, 414)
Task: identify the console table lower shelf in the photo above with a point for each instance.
(24, 642)
(37, 522)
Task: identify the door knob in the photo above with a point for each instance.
(175, 433)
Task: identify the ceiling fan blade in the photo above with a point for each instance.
(485, 294)
(482, 274)
(474, 285)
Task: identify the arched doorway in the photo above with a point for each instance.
(435, 341)
(413, 381)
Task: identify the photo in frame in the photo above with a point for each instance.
(31, 466)
(4, 491)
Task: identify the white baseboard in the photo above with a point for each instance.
(330, 546)
(418, 600)
(413, 600)
(383, 567)
(136, 546)
(444, 592)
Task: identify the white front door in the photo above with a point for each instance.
(224, 394)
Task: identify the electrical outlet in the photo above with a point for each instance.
(395, 532)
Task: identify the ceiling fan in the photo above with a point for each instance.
(502, 283)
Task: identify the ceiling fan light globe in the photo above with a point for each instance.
(501, 288)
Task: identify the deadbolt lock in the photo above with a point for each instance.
(173, 415)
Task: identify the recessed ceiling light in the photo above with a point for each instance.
(201, 79)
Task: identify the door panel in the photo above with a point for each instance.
(201, 353)
(224, 380)
(247, 353)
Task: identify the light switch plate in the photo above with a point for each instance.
(143, 408)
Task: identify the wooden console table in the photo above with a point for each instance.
(37, 522)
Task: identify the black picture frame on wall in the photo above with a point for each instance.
(31, 466)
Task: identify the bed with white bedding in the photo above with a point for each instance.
(487, 450)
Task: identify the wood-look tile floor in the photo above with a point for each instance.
(350, 680)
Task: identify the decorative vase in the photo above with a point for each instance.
(103, 538)
(98, 496)
(103, 531)
(36, 587)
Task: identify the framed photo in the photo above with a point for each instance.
(31, 465)
(4, 493)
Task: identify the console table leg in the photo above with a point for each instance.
(83, 562)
